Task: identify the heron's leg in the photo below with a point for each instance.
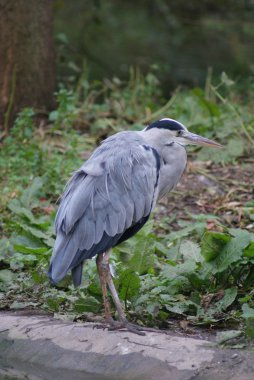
(103, 279)
(103, 268)
(106, 279)
(112, 288)
(102, 262)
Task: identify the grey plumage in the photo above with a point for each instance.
(113, 193)
(109, 194)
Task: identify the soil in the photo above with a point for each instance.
(206, 188)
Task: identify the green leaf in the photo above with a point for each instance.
(6, 276)
(248, 312)
(249, 327)
(35, 232)
(191, 250)
(229, 297)
(206, 104)
(88, 304)
(36, 251)
(244, 235)
(16, 208)
(53, 303)
(188, 230)
(181, 307)
(23, 305)
(249, 250)
(248, 315)
(184, 268)
(129, 284)
(229, 153)
(212, 244)
(143, 256)
(225, 255)
(53, 115)
(31, 192)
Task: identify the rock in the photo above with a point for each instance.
(42, 348)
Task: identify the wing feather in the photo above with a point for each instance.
(110, 193)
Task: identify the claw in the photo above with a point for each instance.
(124, 326)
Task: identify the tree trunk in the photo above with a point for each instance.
(27, 60)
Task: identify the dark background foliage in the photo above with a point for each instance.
(182, 38)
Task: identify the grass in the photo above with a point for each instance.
(200, 273)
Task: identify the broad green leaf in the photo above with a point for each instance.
(244, 235)
(181, 307)
(225, 254)
(53, 115)
(23, 305)
(27, 258)
(235, 148)
(206, 104)
(229, 297)
(160, 248)
(212, 244)
(186, 231)
(16, 208)
(147, 229)
(25, 240)
(229, 153)
(5, 248)
(53, 303)
(191, 250)
(184, 268)
(31, 192)
(7, 276)
(23, 249)
(249, 327)
(249, 250)
(143, 253)
(49, 242)
(37, 233)
(248, 315)
(229, 254)
(171, 273)
(88, 304)
(248, 312)
(166, 298)
(129, 284)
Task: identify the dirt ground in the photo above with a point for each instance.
(206, 188)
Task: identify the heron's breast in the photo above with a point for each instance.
(173, 164)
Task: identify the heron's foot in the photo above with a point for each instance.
(105, 323)
(113, 325)
(126, 326)
(136, 329)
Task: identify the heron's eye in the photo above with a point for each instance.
(179, 133)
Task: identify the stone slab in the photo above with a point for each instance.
(42, 348)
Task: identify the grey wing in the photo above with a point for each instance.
(106, 196)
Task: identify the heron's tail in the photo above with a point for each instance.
(77, 274)
(62, 258)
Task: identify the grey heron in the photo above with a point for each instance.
(111, 196)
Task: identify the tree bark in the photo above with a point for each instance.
(27, 59)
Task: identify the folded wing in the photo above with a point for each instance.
(108, 198)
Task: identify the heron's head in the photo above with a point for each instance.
(180, 134)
